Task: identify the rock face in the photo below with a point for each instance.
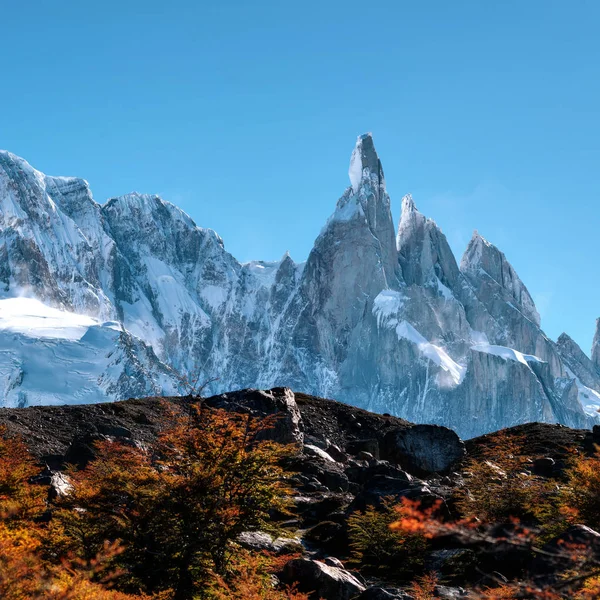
(428, 448)
(145, 302)
(322, 580)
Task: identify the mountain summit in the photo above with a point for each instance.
(141, 299)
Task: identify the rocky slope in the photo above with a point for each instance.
(380, 317)
(346, 459)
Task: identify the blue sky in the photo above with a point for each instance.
(245, 115)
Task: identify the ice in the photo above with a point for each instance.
(32, 318)
(355, 172)
(387, 304)
(506, 353)
(436, 354)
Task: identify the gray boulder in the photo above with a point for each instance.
(424, 448)
(322, 581)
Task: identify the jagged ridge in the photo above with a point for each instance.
(380, 318)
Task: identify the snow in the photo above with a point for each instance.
(589, 398)
(434, 353)
(386, 305)
(264, 272)
(506, 353)
(34, 319)
(386, 308)
(479, 338)
(355, 172)
(444, 291)
(213, 295)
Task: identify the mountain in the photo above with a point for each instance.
(131, 298)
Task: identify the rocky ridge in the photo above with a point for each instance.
(380, 317)
(346, 459)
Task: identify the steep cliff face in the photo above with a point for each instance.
(380, 318)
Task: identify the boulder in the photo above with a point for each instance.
(455, 565)
(323, 533)
(449, 593)
(259, 541)
(314, 509)
(336, 453)
(320, 580)
(423, 448)
(369, 445)
(544, 466)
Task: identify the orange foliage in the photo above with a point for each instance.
(424, 587)
(24, 574)
(177, 507)
(580, 500)
(251, 580)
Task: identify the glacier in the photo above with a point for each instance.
(131, 298)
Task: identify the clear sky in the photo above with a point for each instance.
(244, 113)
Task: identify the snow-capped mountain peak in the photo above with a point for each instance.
(132, 297)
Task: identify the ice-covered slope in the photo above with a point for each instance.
(51, 356)
(127, 297)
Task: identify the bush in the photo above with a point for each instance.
(580, 499)
(176, 509)
(377, 547)
(499, 487)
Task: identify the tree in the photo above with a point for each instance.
(175, 508)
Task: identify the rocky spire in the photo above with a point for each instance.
(483, 261)
(423, 251)
(576, 360)
(596, 346)
(364, 162)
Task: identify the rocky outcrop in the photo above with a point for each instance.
(327, 486)
(426, 448)
(322, 581)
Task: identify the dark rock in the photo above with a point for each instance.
(325, 471)
(323, 533)
(82, 449)
(424, 448)
(361, 473)
(315, 441)
(364, 455)
(112, 430)
(314, 509)
(544, 466)
(453, 564)
(336, 453)
(320, 580)
(332, 561)
(356, 446)
(443, 591)
(557, 552)
(382, 486)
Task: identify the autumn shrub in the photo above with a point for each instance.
(499, 486)
(376, 547)
(176, 508)
(24, 572)
(251, 578)
(19, 501)
(580, 498)
(423, 588)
